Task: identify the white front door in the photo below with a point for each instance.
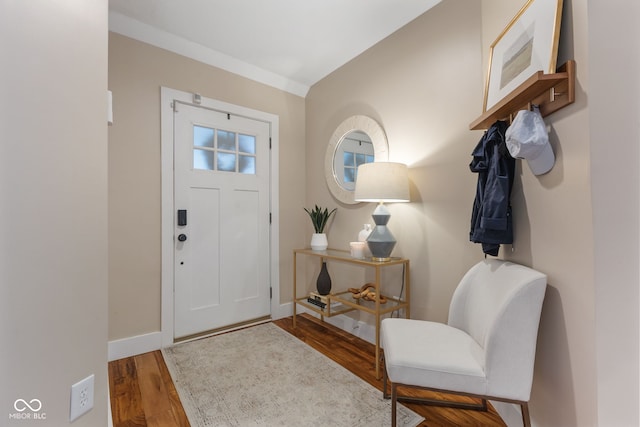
(221, 201)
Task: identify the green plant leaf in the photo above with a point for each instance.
(319, 217)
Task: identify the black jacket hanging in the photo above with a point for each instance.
(491, 216)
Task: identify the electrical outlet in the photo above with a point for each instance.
(81, 397)
(400, 312)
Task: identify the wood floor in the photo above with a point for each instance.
(142, 393)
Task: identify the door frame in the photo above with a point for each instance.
(167, 96)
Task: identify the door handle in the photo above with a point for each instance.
(182, 237)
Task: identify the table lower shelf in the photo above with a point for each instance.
(343, 302)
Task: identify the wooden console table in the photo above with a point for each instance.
(344, 299)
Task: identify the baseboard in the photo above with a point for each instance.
(282, 311)
(348, 324)
(355, 327)
(132, 346)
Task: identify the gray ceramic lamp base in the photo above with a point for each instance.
(381, 242)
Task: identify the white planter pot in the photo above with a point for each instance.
(319, 242)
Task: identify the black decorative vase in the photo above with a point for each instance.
(323, 284)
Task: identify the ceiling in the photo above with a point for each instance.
(288, 44)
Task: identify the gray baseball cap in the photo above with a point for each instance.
(527, 139)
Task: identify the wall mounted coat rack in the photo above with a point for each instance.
(549, 91)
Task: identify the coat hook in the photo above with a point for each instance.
(555, 94)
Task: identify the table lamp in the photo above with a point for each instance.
(381, 182)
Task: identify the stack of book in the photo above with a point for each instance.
(323, 302)
(318, 300)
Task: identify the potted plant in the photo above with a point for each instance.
(319, 218)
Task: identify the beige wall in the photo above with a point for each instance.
(614, 126)
(558, 243)
(424, 85)
(592, 269)
(53, 192)
(136, 73)
(417, 85)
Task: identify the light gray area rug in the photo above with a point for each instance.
(264, 376)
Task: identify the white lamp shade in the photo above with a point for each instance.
(382, 182)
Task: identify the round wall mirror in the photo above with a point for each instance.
(357, 140)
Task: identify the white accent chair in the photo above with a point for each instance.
(487, 348)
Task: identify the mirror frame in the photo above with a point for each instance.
(380, 151)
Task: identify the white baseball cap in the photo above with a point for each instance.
(527, 139)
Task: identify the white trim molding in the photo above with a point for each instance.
(145, 33)
(167, 97)
(132, 346)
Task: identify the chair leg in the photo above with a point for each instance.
(385, 395)
(482, 406)
(385, 378)
(526, 420)
(394, 399)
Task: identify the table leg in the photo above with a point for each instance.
(407, 295)
(377, 322)
(295, 276)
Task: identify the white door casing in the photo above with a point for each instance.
(233, 264)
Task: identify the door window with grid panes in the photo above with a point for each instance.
(224, 151)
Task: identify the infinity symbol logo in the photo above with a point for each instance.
(21, 405)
